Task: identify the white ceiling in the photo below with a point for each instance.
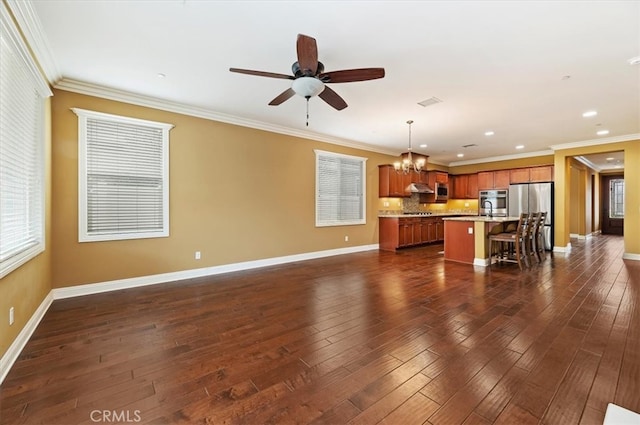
(526, 70)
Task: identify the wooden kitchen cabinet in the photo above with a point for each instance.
(485, 180)
(439, 222)
(519, 175)
(438, 177)
(463, 186)
(499, 179)
(532, 174)
(391, 184)
(541, 174)
(406, 232)
(401, 232)
(458, 186)
(472, 186)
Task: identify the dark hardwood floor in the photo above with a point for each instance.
(366, 338)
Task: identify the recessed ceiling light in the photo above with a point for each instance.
(520, 147)
(589, 114)
(460, 155)
(566, 77)
(602, 132)
(424, 145)
(634, 61)
(161, 75)
(489, 133)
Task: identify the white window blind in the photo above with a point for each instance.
(340, 189)
(23, 90)
(124, 185)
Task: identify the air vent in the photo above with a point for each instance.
(469, 146)
(430, 101)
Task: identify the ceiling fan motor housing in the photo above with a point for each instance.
(297, 72)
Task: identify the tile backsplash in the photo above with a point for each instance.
(412, 204)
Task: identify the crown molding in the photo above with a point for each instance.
(588, 163)
(169, 106)
(31, 28)
(595, 142)
(501, 158)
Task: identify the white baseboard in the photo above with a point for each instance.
(630, 256)
(562, 249)
(9, 358)
(482, 262)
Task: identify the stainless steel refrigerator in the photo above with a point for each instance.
(534, 197)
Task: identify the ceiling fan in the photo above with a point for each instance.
(309, 78)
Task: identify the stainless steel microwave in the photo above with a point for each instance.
(441, 191)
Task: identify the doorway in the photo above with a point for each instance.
(612, 196)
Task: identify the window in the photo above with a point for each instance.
(340, 189)
(21, 150)
(123, 177)
(616, 200)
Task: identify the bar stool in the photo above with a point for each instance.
(538, 240)
(530, 238)
(501, 244)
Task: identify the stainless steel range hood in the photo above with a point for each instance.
(418, 188)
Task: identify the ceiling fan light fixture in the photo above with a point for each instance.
(307, 86)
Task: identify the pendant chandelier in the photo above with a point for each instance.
(407, 164)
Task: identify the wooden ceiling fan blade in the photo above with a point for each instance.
(262, 73)
(285, 95)
(307, 54)
(333, 98)
(351, 75)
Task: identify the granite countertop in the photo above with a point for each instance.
(484, 218)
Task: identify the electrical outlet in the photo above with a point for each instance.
(197, 255)
(346, 238)
(11, 316)
(470, 230)
(385, 203)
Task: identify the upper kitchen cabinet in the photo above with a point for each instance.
(541, 174)
(499, 179)
(532, 174)
(463, 186)
(392, 184)
(438, 177)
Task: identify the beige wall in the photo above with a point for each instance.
(25, 288)
(236, 194)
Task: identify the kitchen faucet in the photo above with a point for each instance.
(490, 207)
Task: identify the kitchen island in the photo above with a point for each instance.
(466, 239)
